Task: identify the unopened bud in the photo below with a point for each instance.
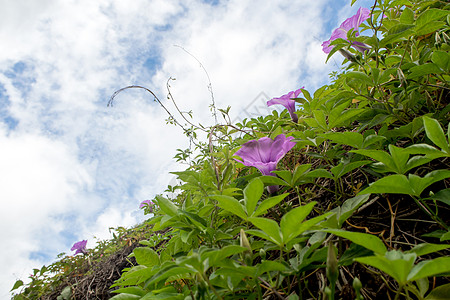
(347, 55)
(244, 240)
(262, 253)
(247, 255)
(332, 264)
(357, 285)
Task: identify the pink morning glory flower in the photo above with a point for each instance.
(265, 153)
(80, 247)
(288, 102)
(351, 23)
(147, 203)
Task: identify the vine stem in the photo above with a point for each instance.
(271, 288)
(211, 287)
(111, 104)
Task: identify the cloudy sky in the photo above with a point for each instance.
(70, 167)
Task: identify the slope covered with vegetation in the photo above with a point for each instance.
(346, 197)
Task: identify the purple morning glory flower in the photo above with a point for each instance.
(288, 102)
(80, 247)
(147, 203)
(265, 153)
(351, 23)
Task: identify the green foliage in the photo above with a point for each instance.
(378, 134)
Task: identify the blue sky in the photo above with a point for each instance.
(70, 167)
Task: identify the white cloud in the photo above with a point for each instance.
(40, 182)
(244, 52)
(71, 167)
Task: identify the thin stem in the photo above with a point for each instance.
(271, 288)
(430, 212)
(211, 287)
(209, 82)
(169, 95)
(186, 131)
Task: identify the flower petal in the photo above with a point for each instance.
(265, 153)
(351, 23)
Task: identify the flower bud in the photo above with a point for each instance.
(347, 55)
(247, 255)
(357, 285)
(262, 253)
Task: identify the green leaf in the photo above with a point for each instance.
(272, 180)
(306, 225)
(443, 196)
(216, 255)
(261, 234)
(269, 227)
(352, 252)
(252, 193)
(342, 169)
(435, 133)
(416, 161)
(419, 184)
(165, 273)
(430, 268)
(320, 117)
(268, 203)
(400, 3)
(361, 76)
(268, 266)
(307, 95)
(392, 184)
(425, 21)
(396, 33)
(423, 286)
(368, 241)
(299, 171)
(442, 60)
(231, 204)
(196, 219)
(349, 206)
(133, 290)
(435, 234)
(428, 150)
(399, 157)
(286, 175)
(66, 293)
(350, 138)
(422, 70)
(426, 248)
(125, 297)
(380, 156)
(439, 293)
(347, 116)
(292, 219)
(146, 256)
(319, 173)
(167, 206)
(395, 263)
(407, 16)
